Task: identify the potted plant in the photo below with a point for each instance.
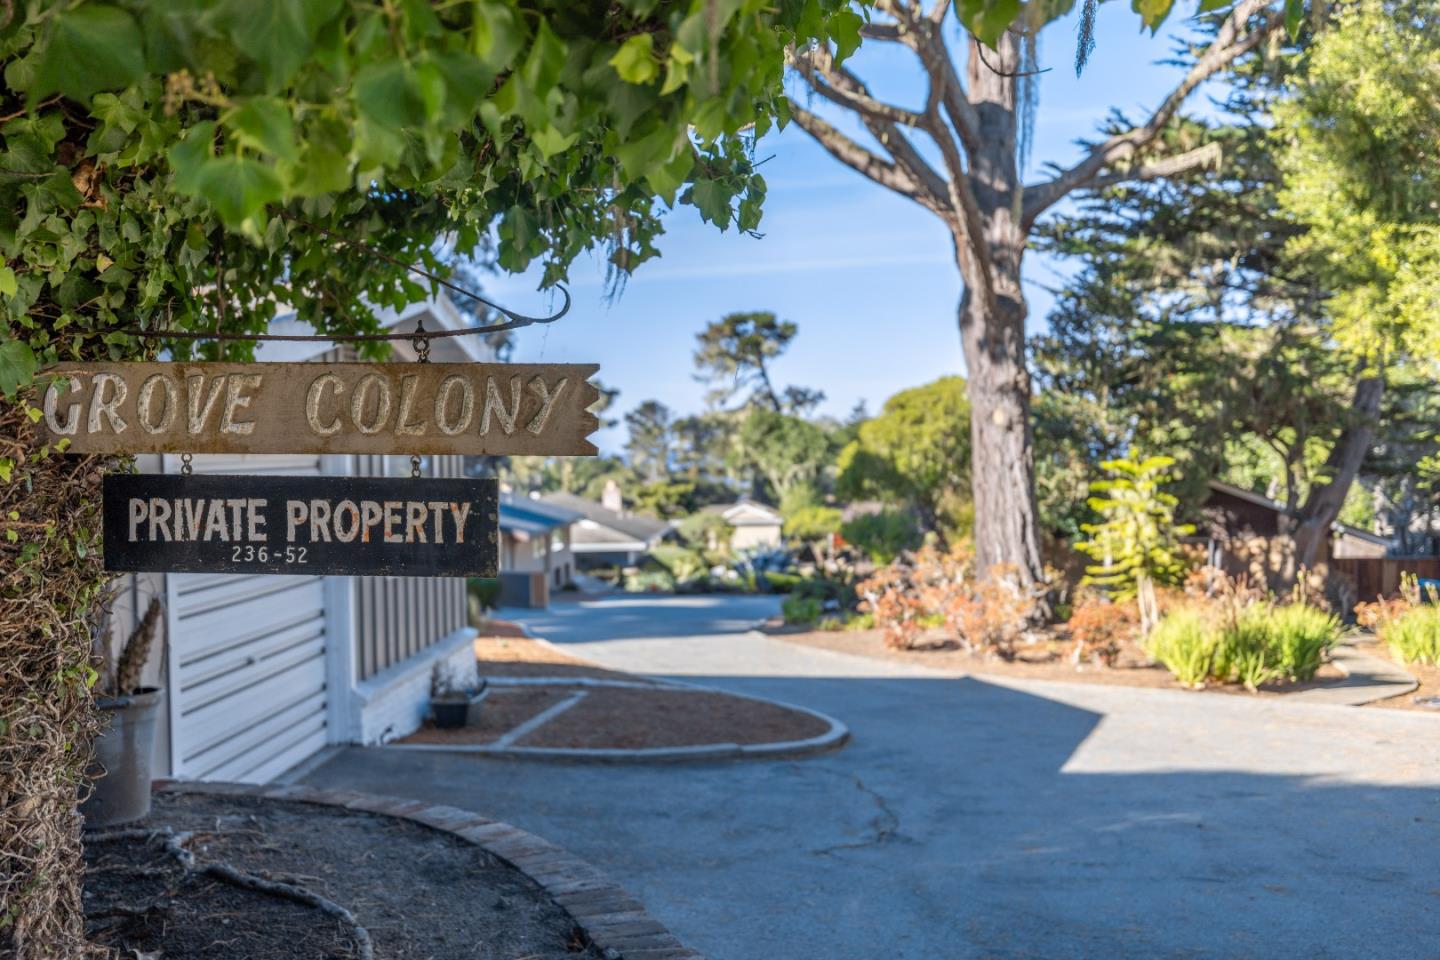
(455, 701)
(120, 767)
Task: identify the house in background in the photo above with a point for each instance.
(535, 550)
(1234, 514)
(262, 672)
(604, 534)
(754, 524)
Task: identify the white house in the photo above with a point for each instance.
(754, 524)
(262, 672)
(604, 534)
(535, 550)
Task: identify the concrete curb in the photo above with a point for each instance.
(616, 923)
(833, 739)
(1367, 679)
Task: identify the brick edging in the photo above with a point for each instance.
(615, 922)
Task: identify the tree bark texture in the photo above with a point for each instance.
(1322, 507)
(992, 330)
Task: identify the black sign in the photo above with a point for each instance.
(311, 526)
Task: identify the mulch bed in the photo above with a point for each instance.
(500, 712)
(272, 880)
(1040, 661)
(516, 656)
(641, 719)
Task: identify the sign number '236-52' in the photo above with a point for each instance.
(374, 526)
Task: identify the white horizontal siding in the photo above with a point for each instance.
(248, 658)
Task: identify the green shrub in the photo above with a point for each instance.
(1185, 642)
(830, 624)
(801, 610)
(483, 595)
(1245, 653)
(650, 581)
(861, 621)
(884, 535)
(681, 562)
(1301, 635)
(825, 589)
(1263, 644)
(1414, 636)
(782, 582)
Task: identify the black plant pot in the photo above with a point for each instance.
(453, 711)
(121, 766)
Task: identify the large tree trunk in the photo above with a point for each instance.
(992, 328)
(1312, 522)
(1002, 460)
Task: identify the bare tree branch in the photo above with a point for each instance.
(881, 31)
(847, 90)
(925, 35)
(844, 88)
(884, 172)
(1165, 167)
(1229, 44)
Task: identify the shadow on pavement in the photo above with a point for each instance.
(969, 819)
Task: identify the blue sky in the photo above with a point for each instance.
(867, 275)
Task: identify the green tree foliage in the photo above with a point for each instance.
(1204, 323)
(707, 531)
(789, 452)
(812, 522)
(915, 452)
(883, 535)
(150, 149)
(735, 352)
(664, 499)
(1361, 155)
(651, 440)
(1136, 544)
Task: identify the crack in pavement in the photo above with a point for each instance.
(886, 825)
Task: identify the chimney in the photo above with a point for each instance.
(611, 498)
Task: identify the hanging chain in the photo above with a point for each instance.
(420, 342)
(186, 467)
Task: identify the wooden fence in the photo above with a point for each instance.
(1380, 576)
(397, 617)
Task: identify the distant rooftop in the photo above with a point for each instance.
(643, 529)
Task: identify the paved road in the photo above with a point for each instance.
(972, 818)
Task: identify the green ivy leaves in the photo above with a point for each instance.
(91, 47)
(277, 34)
(635, 60)
(17, 365)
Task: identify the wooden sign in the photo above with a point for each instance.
(310, 526)
(378, 408)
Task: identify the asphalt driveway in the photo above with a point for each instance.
(980, 818)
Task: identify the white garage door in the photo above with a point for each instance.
(248, 659)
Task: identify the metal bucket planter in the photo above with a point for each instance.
(121, 767)
(458, 710)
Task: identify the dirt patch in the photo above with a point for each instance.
(524, 657)
(1047, 660)
(504, 709)
(639, 719)
(418, 892)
